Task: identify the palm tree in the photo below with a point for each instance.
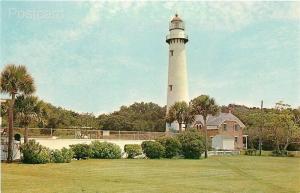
(204, 105)
(28, 109)
(179, 112)
(14, 80)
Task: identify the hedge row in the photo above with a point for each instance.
(34, 153)
(97, 150)
(189, 144)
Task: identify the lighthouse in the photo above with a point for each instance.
(177, 69)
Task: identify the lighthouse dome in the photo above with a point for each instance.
(176, 18)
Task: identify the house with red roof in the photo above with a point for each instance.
(225, 131)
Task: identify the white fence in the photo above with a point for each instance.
(4, 147)
(79, 133)
(223, 152)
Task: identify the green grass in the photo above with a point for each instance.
(216, 174)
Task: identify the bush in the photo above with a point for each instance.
(192, 144)
(281, 153)
(81, 151)
(105, 150)
(34, 153)
(62, 156)
(294, 147)
(17, 137)
(171, 144)
(250, 152)
(133, 150)
(153, 149)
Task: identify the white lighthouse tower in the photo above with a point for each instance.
(177, 72)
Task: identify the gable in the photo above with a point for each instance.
(218, 119)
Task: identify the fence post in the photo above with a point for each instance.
(51, 132)
(119, 134)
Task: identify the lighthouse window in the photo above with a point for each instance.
(171, 52)
(170, 87)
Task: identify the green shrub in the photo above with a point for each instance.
(34, 153)
(17, 137)
(62, 156)
(171, 144)
(133, 150)
(192, 144)
(81, 151)
(153, 149)
(281, 153)
(105, 150)
(250, 151)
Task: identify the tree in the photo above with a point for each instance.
(138, 116)
(204, 105)
(179, 112)
(28, 109)
(287, 125)
(15, 80)
(257, 128)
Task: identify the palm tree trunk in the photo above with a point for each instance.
(205, 127)
(26, 135)
(180, 127)
(10, 129)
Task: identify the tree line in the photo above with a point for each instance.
(268, 128)
(276, 128)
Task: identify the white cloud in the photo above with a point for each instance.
(93, 16)
(232, 16)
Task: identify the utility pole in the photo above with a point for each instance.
(261, 126)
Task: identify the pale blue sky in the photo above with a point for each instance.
(97, 56)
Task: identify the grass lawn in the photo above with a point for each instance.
(216, 174)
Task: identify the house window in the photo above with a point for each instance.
(171, 52)
(224, 127)
(236, 139)
(236, 127)
(199, 126)
(170, 87)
